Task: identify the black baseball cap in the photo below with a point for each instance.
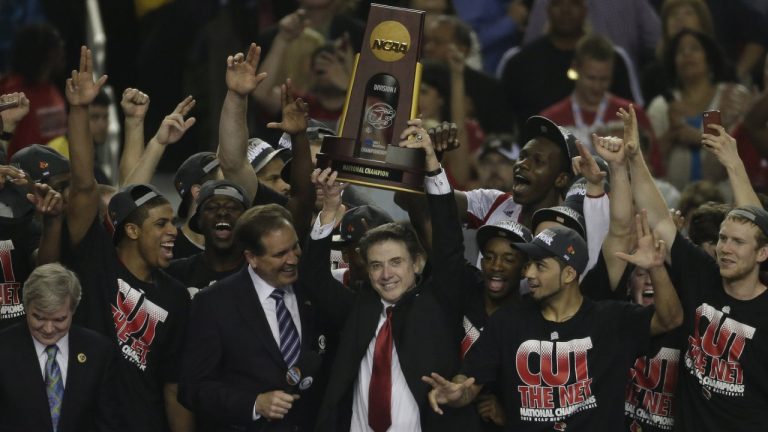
(213, 188)
(563, 215)
(126, 201)
(191, 172)
(574, 198)
(538, 126)
(501, 144)
(357, 221)
(506, 228)
(260, 153)
(756, 215)
(561, 243)
(40, 162)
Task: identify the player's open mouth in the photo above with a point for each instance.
(223, 230)
(167, 249)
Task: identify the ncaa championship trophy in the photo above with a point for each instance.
(381, 98)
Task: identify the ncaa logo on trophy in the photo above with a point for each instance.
(381, 98)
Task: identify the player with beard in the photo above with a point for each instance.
(126, 294)
(515, 351)
(723, 380)
(219, 204)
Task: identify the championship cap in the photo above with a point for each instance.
(562, 243)
(506, 228)
(538, 126)
(260, 153)
(357, 221)
(213, 188)
(127, 201)
(757, 215)
(191, 172)
(501, 144)
(563, 215)
(40, 162)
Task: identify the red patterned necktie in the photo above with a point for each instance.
(380, 388)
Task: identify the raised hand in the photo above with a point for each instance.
(586, 166)
(295, 112)
(134, 103)
(650, 252)
(12, 174)
(677, 218)
(47, 201)
(444, 391)
(456, 60)
(414, 136)
(12, 116)
(444, 136)
(722, 145)
(335, 67)
(81, 89)
(631, 131)
(241, 76)
(609, 148)
(325, 180)
(292, 25)
(174, 126)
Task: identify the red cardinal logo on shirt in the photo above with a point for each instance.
(571, 250)
(559, 426)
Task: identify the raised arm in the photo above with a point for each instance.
(723, 146)
(135, 105)
(294, 123)
(11, 117)
(49, 205)
(459, 161)
(650, 255)
(171, 130)
(644, 190)
(241, 79)
(620, 226)
(83, 205)
(290, 27)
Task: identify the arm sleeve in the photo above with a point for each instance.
(483, 361)
(480, 202)
(597, 216)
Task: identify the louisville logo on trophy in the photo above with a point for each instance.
(381, 98)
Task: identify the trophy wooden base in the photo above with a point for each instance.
(403, 169)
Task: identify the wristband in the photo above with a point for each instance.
(436, 172)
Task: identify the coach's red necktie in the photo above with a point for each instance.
(380, 388)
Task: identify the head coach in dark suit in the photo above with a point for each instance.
(400, 324)
(55, 376)
(252, 350)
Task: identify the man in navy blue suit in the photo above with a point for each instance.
(55, 376)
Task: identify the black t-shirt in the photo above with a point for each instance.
(195, 274)
(18, 240)
(592, 350)
(597, 286)
(723, 383)
(649, 403)
(183, 247)
(147, 320)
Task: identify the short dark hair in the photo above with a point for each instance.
(138, 216)
(704, 224)
(593, 46)
(392, 231)
(255, 222)
(102, 99)
(697, 193)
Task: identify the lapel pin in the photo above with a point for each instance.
(305, 383)
(81, 358)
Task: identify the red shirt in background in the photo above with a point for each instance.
(47, 118)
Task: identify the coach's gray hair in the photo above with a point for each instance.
(50, 286)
